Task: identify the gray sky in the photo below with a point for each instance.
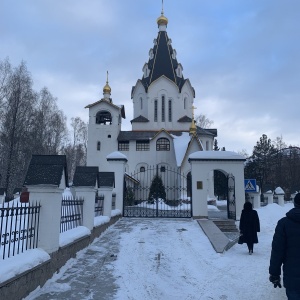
(241, 56)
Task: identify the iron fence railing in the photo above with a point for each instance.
(99, 205)
(71, 214)
(19, 226)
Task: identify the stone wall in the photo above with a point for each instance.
(22, 285)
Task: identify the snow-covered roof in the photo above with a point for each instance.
(180, 145)
(116, 155)
(216, 155)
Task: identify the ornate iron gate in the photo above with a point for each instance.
(157, 191)
(231, 209)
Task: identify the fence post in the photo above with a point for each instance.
(256, 199)
(269, 195)
(107, 193)
(49, 228)
(88, 214)
(117, 163)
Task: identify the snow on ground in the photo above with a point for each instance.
(167, 259)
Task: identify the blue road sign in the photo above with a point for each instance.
(250, 185)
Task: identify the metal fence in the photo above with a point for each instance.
(99, 205)
(19, 226)
(71, 214)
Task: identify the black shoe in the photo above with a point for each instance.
(250, 252)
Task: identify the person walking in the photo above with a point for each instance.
(285, 251)
(249, 227)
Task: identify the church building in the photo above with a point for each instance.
(164, 132)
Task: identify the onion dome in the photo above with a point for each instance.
(106, 88)
(162, 20)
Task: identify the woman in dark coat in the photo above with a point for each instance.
(249, 226)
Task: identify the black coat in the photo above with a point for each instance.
(286, 249)
(249, 226)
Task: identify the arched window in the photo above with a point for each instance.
(142, 169)
(170, 110)
(103, 117)
(155, 111)
(141, 100)
(98, 146)
(163, 144)
(184, 103)
(109, 136)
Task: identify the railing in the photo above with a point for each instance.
(19, 225)
(99, 205)
(71, 214)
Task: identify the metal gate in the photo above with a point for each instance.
(231, 207)
(157, 192)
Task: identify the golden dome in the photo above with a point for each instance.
(162, 20)
(106, 89)
(193, 128)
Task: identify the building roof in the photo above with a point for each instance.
(139, 119)
(162, 63)
(120, 107)
(86, 176)
(206, 131)
(216, 155)
(185, 119)
(106, 179)
(2, 191)
(46, 169)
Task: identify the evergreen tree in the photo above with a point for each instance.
(157, 189)
(216, 148)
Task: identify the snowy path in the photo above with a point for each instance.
(163, 259)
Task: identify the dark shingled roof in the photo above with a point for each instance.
(162, 64)
(185, 119)
(46, 169)
(140, 119)
(17, 190)
(85, 176)
(106, 179)
(136, 135)
(2, 191)
(207, 131)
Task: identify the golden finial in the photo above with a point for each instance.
(107, 89)
(162, 20)
(193, 128)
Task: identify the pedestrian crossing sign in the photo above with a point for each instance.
(250, 185)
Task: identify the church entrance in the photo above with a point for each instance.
(157, 192)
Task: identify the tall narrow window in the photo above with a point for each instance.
(184, 103)
(155, 111)
(98, 146)
(163, 108)
(170, 111)
(141, 100)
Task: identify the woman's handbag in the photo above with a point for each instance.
(241, 239)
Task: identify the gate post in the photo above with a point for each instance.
(117, 162)
(200, 187)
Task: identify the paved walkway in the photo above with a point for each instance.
(158, 259)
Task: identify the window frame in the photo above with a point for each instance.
(162, 144)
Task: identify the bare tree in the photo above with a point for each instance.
(203, 122)
(18, 106)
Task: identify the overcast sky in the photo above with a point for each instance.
(241, 56)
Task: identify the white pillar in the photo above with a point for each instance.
(117, 163)
(269, 195)
(255, 199)
(280, 199)
(107, 193)
(199, 191)
(50, 199)
(88, 214)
